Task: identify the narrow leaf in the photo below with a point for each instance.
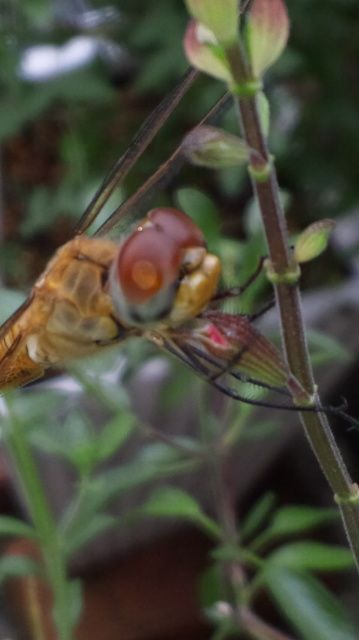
(257, 515)
(312, 610)
(12, 566)
(312, 556)
(170, 502)
(85, 529)
(291, 520)
(13, 527)
(113, 436)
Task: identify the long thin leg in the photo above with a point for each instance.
(238, 291)
(234, 374)
(193, 357)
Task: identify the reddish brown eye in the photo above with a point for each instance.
(177, 225)
(147, 262)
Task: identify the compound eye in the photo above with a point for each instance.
(177, 225)
(148, 261)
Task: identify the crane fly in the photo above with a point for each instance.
(154, 280)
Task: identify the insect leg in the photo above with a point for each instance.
(237, 291)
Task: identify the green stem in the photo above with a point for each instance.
(43, 522)
(316, 426)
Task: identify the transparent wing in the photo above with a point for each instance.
(16, 367)
(4, 328)
(139, 143)
(134, 208)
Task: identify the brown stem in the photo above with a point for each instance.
(316, 425)
(259, 629)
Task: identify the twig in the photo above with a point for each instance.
(285, 281)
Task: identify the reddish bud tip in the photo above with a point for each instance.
(203, 52)
(267, 33)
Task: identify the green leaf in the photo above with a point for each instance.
(85, 529)
(12, 566)
(257, 515)
(169, 502)
(210, 586)
(312, 610)
(201, 208)
(312, 556)
(14, 527)
(154, 461)
(292, 521)
(114, 434)
(296, 519)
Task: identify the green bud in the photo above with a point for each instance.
(313, 240)
(267, 32)
(214, 148)
(219, 16)
(204, 53)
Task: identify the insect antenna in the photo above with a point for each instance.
(139, 143)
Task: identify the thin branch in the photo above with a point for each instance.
(316, 425)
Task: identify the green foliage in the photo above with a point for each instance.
(312, 556)
(12, 566)
(12, 527)
(308, 605)
(170, 502)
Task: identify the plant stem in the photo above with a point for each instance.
(43, 521)
(258, 629)
(235, 579)
(316, 426)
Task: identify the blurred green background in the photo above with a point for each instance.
(61, 129)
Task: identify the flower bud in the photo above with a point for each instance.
(204, 53)
(313, 240)
(219, 16)
(267, 32)
(214, 148)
